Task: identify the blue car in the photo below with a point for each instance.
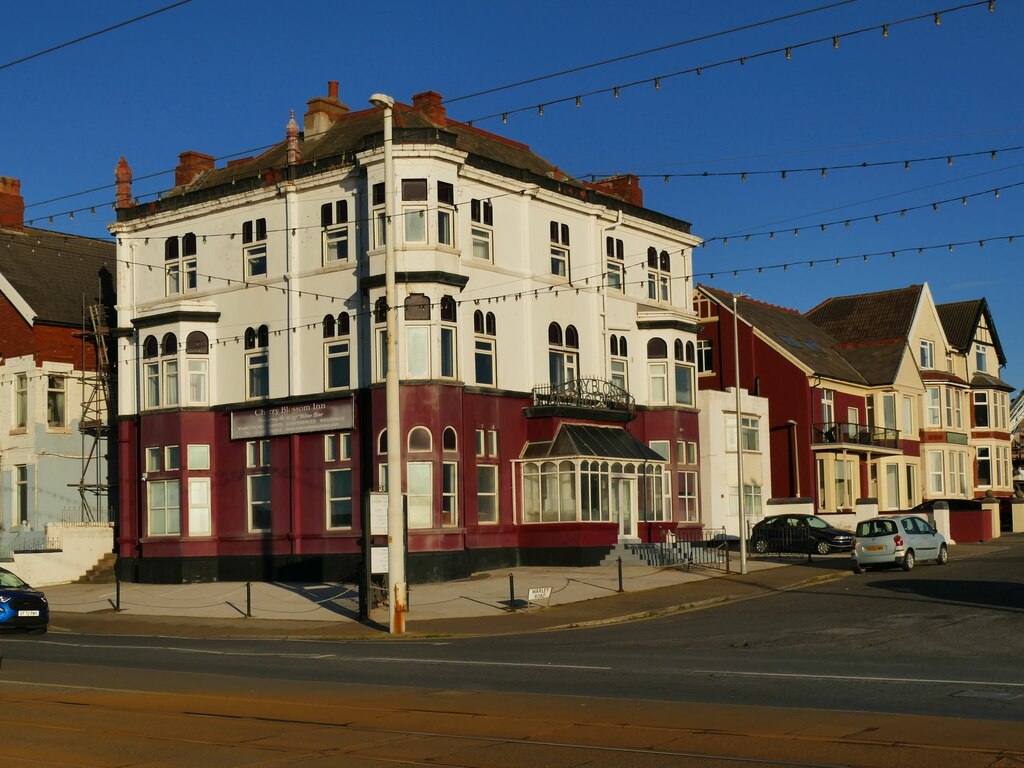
(21, 606)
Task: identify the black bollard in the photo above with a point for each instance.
(248, 599)
(117, 595)
(512, 592)
(619, 561)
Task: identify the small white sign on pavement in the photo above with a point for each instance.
(536, 594)
(378, 514)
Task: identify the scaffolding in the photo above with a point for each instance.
(94, 423)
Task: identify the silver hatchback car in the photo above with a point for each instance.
(900, 540)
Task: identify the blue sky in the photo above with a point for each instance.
(220, 77)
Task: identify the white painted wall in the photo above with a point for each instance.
(82, 546)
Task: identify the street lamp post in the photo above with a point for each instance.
(739, 439)
(397, 604)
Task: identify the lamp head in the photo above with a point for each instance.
(382, 100)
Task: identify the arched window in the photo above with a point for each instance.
(485, 348)
(678, 350)
(622, 346)
(657, 372)
(343, 324)
(329, 326)
(188, 244)
(197, 343)
(555, 334)
(448, 309)
(619, 366)
(169, 345)
(563, 355)
(657, 349)
(257, 363)
(380, 310)
(417, 307)
(420, 439)
(663, 264)
(691, 355)
(449, 441)
(150, 347)
(615, 345)
(382, 442)
(652, 257)
(197, 346)
(170, 248)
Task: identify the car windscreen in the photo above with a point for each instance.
(817, 522)
(876, 528)
(10, 581)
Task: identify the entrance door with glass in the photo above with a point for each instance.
(624, 506)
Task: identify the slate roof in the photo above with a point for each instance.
(360, 130)
(986, 381)
(885, 316)
(591, 440)
(792, 332)
(877, 363)
(58, 274)
(960, 319)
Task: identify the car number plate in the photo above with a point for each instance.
(875, 548)
(28, 613)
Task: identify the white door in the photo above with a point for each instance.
(623, 505)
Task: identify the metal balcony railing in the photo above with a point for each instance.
(848, 433)
(585, 393)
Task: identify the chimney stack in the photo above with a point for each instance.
(190, 165)
(291, 133)
(625, 187)
(323, 112)
(12, 206)
(429, 103)
(123, 177)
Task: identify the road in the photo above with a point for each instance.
(835, 661)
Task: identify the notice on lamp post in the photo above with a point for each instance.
(378, 514)
(378, 560)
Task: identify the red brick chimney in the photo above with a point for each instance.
(625, 187)
(123, 177)
(12, 206)
(190, 165)
(429, 103)
(322, 113)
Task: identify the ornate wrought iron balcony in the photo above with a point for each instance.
(585, 393)
(850, 434)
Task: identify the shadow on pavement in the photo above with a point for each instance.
(1008, 596)
(335, 598)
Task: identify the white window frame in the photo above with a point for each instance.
(171, 513)
(341, 500)
(21, 401)
(485, 349)
(927, 354)
(705, 356)
(449, 351)
(490, 470)
(687, 494)
(933, 406)
(56, 401)
(936, 467)
(198, 456)
(420, 494)
(257, 361)
(449, 494)
(657, 376)
(198, 379)
(255, 257)
(200, 512)
(337, 349)
(252, 503)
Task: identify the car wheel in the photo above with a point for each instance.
(909, 560)
(823, 548)
(760, 546)
(858, 569)
(943, 557)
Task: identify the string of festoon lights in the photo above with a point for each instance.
(935, 16)
(656, 81)
(630, 262)
(781, 173)
(594, 284)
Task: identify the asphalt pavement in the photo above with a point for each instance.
(479, 605)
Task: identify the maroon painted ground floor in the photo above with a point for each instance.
(491, 479)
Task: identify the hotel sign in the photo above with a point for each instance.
(331, 416)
